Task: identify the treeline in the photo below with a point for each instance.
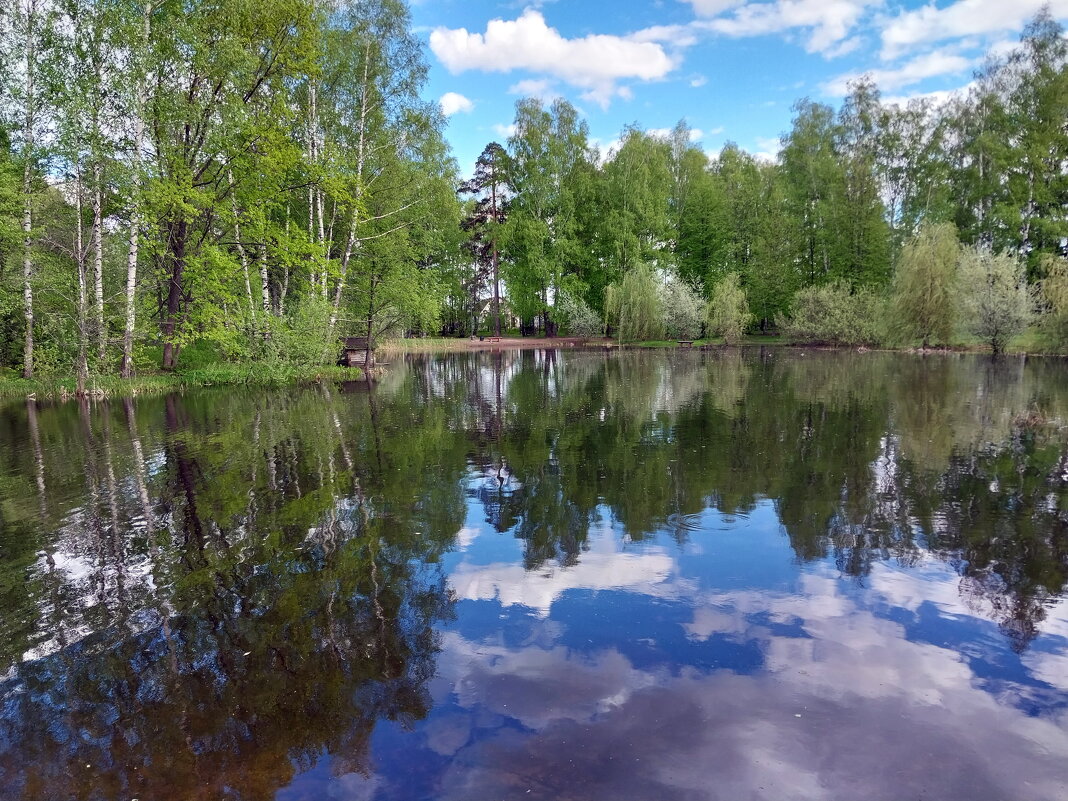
(250, 178)
(249, 181)
(577, 238)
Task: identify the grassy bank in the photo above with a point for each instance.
(1029, 342)
(212, 375)
(421, 344)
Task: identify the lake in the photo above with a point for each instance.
(736, 574)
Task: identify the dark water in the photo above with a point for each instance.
(759, 575)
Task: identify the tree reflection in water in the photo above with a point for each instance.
(205, 594)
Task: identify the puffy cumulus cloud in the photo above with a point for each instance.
(534, 87)
(767, 148)
(455, 103)
(929, 65)
(847, 708)
(504, 131)
(828, 22)
(594, 63)
(930, 23)
(603, 567)
(710, 8)
(536, 685)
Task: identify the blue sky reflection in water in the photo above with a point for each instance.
(646, 575)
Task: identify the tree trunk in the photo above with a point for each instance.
(177, 240)
(98, 260)
(126, 370)
(496, 263)
(28, 145)
(27, 273)
(82, 367)
(496, 293)
(265, 283)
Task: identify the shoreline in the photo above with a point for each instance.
(63, 388)
(457, 345)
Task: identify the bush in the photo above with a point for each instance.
(1054, 297)
(299, 338)
(996, 301)
(833, 314)
(577, 317)
(728, 311)
(683, 308)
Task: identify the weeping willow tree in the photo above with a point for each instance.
(728, 311)
(925, 284)
(1054, 300)
(633, 306)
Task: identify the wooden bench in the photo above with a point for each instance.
(685, 343)
(494, 339)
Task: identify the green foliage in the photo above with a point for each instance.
(287, 184)
(634, 307)
(728, 310)
(576, 316)
(683, 309)
(925, 302)
(834, 314)
(300, 337)
(1053, 296)
(996, 301)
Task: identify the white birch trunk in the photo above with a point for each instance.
(29, 144)
(98, 259)
(135, 216)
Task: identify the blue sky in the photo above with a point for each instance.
(730, 68)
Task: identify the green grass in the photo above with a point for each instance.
(422, 344)
(210, 375)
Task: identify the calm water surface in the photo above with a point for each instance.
(537, 575)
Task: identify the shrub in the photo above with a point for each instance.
(683, 309)
(577, 317)
(1054, 297)
(299, 337)
(996, 301)
(833, 314)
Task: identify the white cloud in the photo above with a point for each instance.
(594, 63)
(674, 35)
(854, 686)
(962, 18)
(455, 103)
(716, 131)
(845, 47)
(504, 131)
(710, 8)
(937, 98)
(827, 21)
(767, 148)
(698, 81)
(604, 148)
(603, 567)
(541, 88)
(929, 65)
